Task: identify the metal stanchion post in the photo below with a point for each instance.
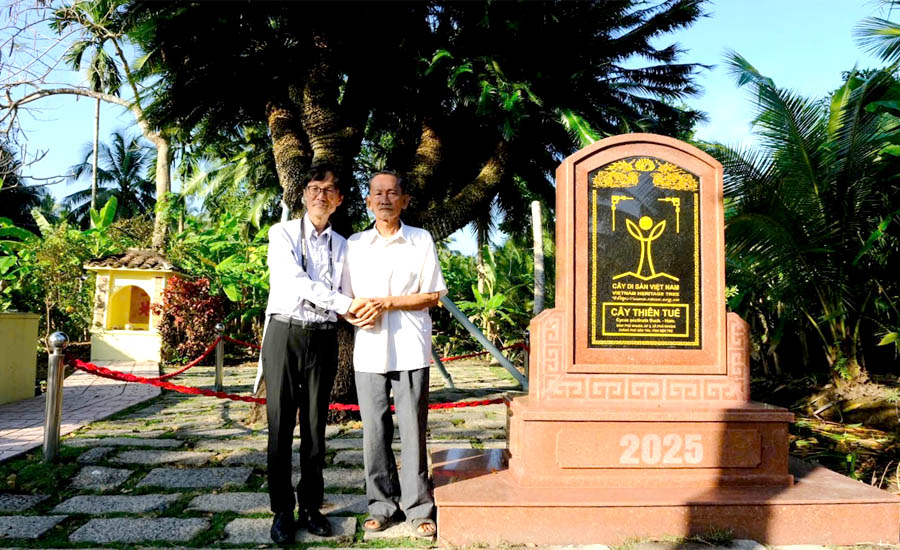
(53, 411)
(220, 355)
(527, 350)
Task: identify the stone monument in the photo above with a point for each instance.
(638, 420)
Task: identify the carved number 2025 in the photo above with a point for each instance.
(666, 449)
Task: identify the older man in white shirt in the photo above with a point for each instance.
(397, 264)
(299, 351)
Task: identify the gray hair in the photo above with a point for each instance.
(401, 183)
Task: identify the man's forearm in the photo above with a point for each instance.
(410, 302)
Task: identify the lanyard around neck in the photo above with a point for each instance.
(303, 253)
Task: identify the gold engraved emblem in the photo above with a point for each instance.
(625, 173)
(617, 174)
(636, 230)
(676, 202)
(614, 202)
(669, 176)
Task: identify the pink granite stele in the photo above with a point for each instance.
(645, 434)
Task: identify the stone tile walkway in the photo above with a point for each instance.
(185, 469)
(86, 398)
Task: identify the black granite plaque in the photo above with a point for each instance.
(644, 265)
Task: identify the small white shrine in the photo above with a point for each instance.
(124, 328)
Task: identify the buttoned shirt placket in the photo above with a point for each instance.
(314, 256)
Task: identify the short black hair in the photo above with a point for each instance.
(319, 172)
(401, 183)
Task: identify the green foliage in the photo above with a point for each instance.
(234, 176)
(809, 228)
(503, 309)
(12, 240)
(187, 315)
(44, 273)
(232, 257)
(16, 198)
(470, 105)
(121, 174)
(32, 475)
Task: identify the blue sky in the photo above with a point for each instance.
(804, 45)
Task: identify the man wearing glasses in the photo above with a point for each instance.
(299, 351)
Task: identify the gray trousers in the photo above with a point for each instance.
(413, 494)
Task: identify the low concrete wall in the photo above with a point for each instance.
(18, 359)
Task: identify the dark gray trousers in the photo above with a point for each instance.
(299, 365)
(413, 493)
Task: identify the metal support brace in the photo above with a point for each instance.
(440, 365)
(220, 356)
(527, 352)
(476, 332)
(54, 396)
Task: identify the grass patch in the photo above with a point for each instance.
(714, 537)
(216, 530)
(32, 475)
(133, 409)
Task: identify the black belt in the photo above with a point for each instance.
(309, 325)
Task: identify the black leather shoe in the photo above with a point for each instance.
(316, 523)
(283, 528)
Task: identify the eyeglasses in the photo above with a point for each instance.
(313, 191)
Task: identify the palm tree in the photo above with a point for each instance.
(102, 71)
(102, 22)
(464, 98)
(121, 173)
(881, 36)
(17, 199)
(801, 207)
(242, 172)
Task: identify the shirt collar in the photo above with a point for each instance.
(400, 235)
(310, 229)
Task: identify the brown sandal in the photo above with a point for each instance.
(417, 525)
(382, 521)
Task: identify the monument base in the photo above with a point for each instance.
(668, 445)
(822, 507)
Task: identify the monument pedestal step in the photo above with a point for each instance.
(822, 507)
(642, 445)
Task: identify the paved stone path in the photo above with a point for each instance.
(86, 398)
(186, 470)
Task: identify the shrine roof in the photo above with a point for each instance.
(133, 258)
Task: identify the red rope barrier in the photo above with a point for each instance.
(245, 344)
(477, 353)
(127, 377)
(193, 363)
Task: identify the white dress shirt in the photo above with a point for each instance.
(404, 263)
(311, 294)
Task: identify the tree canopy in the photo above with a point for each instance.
(468, 100)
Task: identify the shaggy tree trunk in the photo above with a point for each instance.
(163, 185)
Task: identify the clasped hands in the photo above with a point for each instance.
(364, 312)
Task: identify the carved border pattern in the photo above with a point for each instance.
(550, 382)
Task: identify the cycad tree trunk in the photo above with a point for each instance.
(163, 185)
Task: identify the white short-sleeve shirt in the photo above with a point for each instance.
(404, 263)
